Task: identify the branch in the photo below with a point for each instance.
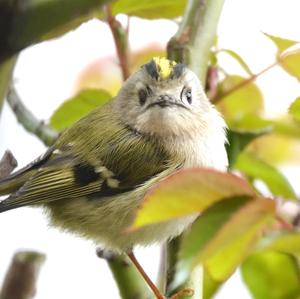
(6, 70)
(20, 280)
(7, 164)
(23, 23)
(120, 36)
(196, 35)
(127, 278)
(218, 97)
(29, 121)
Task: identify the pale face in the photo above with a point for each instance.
(163, 106)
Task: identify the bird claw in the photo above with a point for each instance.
(187, 292)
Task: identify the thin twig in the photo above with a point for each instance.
(120, 36)
(238, 86)
(20, 280)
(29, 121)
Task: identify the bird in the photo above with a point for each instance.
(93, 179)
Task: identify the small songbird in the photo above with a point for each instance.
(93, 179)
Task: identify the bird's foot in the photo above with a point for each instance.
(186, 292)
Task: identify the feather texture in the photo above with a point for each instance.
(94, 167)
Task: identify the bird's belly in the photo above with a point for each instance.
(105, 221)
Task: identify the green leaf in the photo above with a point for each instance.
(210, 286)
(188, 192)
(241, 102)
(77, 107)
(295, 109)
(290, 62)
(238, 140)
(271, 275)
(150, 9)
(284, 242)
(272, 177)
(222, 236)
(239, 59)
(282, 44)
(257, 123)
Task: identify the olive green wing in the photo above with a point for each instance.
(112, 164)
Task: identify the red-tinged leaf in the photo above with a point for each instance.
(272, 275)
(223, 235)
(188, 192)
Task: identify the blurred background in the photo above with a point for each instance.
(51, 72)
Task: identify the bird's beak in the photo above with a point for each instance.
(163, 101)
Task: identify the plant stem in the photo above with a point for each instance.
(29, 121)
(120, 36)
(238, 86)
(21, 277)
(6, 70)
(126, 276)
(196, 35)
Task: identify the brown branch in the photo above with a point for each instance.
(238, 86)
(7, 164)
(120, 36)
(20, 280)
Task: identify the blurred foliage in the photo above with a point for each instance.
(155, 9)
(77, 107)
(272, 275)
(238, 226)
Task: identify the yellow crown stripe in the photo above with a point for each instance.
(164, 66)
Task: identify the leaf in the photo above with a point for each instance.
(255, 122)
(239, 59)
(210, 286)
(238, 140)
(271, 275)
(290, 62)
(284, 242)
(246, 100)
(150, 9)
(222, 236)
(78, 106)
(272, 177)
(294, 109)
(282, 44)
(187, 192)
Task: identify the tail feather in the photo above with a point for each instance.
(13, 182)
(11, 185)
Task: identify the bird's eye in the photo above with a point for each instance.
(186, 95)
(143, 94)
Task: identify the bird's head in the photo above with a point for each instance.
(163, 98)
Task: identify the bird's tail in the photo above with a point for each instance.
(12, 184)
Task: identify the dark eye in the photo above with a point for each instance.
(186, 95)
(143, 94)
